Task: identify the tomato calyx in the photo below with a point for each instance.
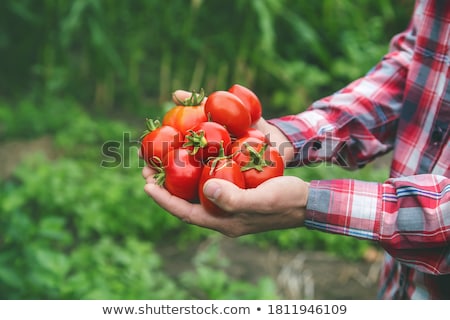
(256, 158)
(160, 175)
(151, 125)
(214, 161)
(194, 100)
(195, 140)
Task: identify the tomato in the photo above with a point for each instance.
(157, 140)
(239, 148)
(206, 139)
(186, 114)
(250, 100)
(258, 161)
(227, 109)
(255, 133)
(222, 168)
(180, 174)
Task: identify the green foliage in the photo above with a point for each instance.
(28, 118)
(210, 279)
(117, 56)
(69, 231)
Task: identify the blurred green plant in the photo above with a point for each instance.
(117, 56)
(72, 230)
(210, 280)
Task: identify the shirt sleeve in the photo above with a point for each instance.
(358, 123)
(409, 216)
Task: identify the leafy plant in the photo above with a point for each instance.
(210, 279)
(289, 52)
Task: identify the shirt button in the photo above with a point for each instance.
(437, 135)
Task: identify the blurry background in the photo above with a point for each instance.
(77, 80)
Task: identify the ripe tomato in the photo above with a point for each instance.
(180, 174)
(222, 168)
(258, 162)
(250, 100)
(240, 150)
(157, 140)
(206, 139)
(255, 133)
(227, 109)
(186, 114)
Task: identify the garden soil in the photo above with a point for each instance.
(297, 275)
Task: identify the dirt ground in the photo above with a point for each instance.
(298, 275)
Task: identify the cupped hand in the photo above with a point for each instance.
(278, 203)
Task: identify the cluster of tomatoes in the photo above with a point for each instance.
(202, 138)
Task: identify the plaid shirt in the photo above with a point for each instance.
(402, 104)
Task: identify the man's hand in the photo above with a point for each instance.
(278, 203)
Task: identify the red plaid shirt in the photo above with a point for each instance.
(402, 104)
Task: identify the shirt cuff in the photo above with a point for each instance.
(344, 206)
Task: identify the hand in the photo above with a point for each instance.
(278, 203)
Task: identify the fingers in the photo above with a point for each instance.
(230, 197)
(183, 95)
(276, 204)
(180, 95)
(165, 200)
(184, 210)
(148, 173)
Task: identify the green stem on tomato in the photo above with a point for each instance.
(151, 126)
(257, 160)
(160, 175)
(196, 140)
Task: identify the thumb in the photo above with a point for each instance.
(212, 189)
(229, 196)
(279, 193)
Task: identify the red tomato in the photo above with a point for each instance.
(187, 114)
(181, 174)
(206, 139)
(258, 162)
(158, 140)
(227, 109)
(239, 148)
(254, 133)
(250, 100)
(222, 168)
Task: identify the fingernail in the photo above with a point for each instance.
(211, 190)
